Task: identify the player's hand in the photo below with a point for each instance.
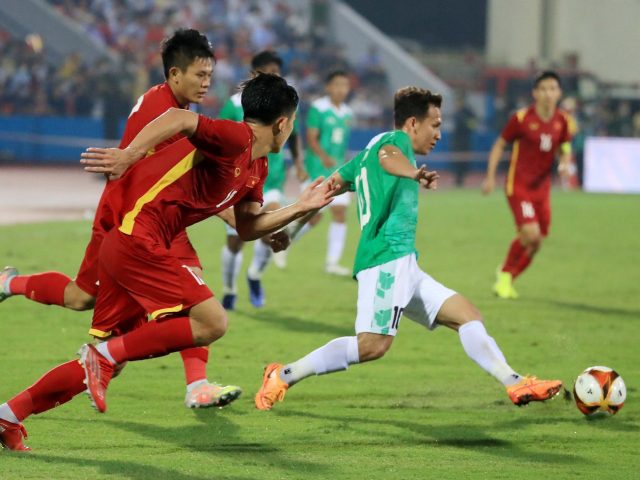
(317, 194)
(110, 161)
(488, 184)
(565, 170)
(279, 241)
(301, 173)
(328, 162)
(426, 179)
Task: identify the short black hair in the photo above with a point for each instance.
(335, 73)
(547, 74)
(264, 58)
(413, 102)
(267, 97)
(183, 47)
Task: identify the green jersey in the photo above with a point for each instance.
(232, 110)
(387, 205)
(333, 123)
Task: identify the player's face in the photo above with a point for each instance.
(426, 132)
(272, 68)
(338, 89)
(282, 131)
(547, 94)
(192, 84)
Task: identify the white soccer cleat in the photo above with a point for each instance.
(339, 270)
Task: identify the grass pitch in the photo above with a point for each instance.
(424, 411)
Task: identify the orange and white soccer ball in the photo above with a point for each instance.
(599, 389)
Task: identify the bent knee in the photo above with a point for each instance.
(77, 299)
(369, 349)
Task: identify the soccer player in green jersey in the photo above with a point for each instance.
(328, 128)
(264, 62)
(390, 282)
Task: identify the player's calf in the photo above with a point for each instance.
(208, 322)
(372, 346)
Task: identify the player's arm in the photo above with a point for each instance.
(253, 223)
(295, 146)
(394, 162)
(115, 161)
(495, 155)
(565, 159)
(313, 140)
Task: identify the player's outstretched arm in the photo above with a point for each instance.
(495, 155)
(114, 161)
(394, 162)
(252, 223)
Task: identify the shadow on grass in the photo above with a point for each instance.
(583, 307)
(124, 469)
(297, 324)
(463, 436)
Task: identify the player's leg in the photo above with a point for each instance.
(382, 293)
(231, 264)
(337, 236)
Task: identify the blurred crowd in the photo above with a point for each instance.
(30, 83)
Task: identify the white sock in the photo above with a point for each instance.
(261, 255)
(7, 414)
(231, 264)
(337, 236)
(335, 356)
(484, 350)
(103, 349)
(195, 384)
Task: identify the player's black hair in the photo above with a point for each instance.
(413, 102)
(267, 97)
(545, 76)
(264, 58)
(335, 73)
(183, 47)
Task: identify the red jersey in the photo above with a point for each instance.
(190, 181)
(535, 144)
(150, 106)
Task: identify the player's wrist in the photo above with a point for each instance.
(133, 154)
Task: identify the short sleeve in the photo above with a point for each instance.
(348, 170)
(403, 142)
(512, 130)
(313, 118)
(221, 138)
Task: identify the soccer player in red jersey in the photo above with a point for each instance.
(187, 59)
(159, 197)
(537, 134)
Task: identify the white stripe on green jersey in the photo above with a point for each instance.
(387, 205)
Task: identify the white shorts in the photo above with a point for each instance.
(398, 287)
(273, 196)
(231, 232)
(341, 200)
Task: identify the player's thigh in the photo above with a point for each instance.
(543, 211)
(427, 300)
(456, 311)
(523, 210)
(182, 248)
(234, 243)
(383, 293)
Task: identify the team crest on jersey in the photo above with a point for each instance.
(557, 125)
(237, 172)
(534, 126)
(252, 181)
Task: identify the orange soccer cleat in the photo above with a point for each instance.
(531, 389)
(98, 374)
(273, 387)
(11, 435)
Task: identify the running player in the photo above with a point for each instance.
(390, 283)
(264, 62)
(187, 59)
(328, 130)
(158, 198)
(537, 132)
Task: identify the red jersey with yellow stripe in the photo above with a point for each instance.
(535, 144)
(189, 181)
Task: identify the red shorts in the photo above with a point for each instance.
(138, 278)
(528, 209)
(87, 277)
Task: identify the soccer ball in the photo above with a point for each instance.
(599, 389)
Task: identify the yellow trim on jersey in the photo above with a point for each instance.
(512, 167)
(99, 333)
(178, 170)
(162, 311)
(520, 114)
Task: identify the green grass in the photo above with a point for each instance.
(424, 411)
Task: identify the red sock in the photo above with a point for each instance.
(47, 287)
(195, 363)
(516, 250)
(523, 263)
(153, 339)
(54, 388)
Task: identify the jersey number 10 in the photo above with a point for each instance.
(364, 200)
